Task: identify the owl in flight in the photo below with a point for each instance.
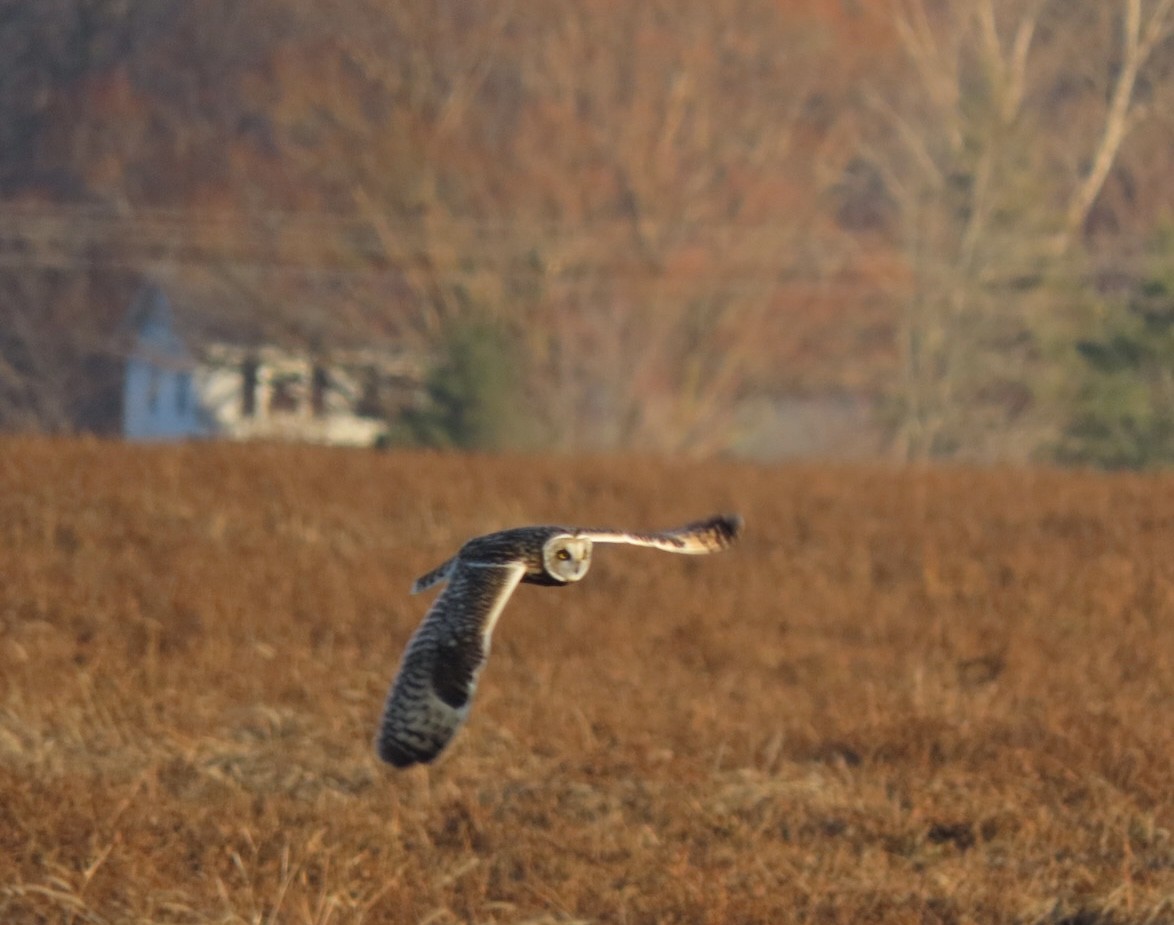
(430, 697)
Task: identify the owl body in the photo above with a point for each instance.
(430, 696)
(550, 556)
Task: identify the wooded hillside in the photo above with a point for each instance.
(670, 209)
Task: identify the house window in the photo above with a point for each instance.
(153, 387)
(370, 403)
(319, 383)
(183, 392)
(249, 387)
(284, 393)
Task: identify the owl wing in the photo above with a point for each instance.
(429, 699)
(698, 538)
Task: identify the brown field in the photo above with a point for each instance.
(936, 697)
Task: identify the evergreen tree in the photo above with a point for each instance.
(1124, 415)
(472, 392)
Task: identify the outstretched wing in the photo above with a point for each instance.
(703, 536)
(430, 697)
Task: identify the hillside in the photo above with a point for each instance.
(932, 696)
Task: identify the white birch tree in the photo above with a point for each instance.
(993, 178)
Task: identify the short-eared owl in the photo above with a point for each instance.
(430, 696)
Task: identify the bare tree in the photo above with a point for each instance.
(622, 222)
(684, 100)
(59, 360)
(1144, 27)
(969, 152)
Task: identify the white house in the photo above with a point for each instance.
(159, 400)
(178, 386)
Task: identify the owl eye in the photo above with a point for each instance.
(562, 555)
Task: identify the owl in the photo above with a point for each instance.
(431, 694)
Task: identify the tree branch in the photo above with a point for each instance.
(1138, 41)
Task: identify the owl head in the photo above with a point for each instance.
(566, 557)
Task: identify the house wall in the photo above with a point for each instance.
(284, 405)
(812, 427)
(159, 400)
(159, 403)
(257, 392)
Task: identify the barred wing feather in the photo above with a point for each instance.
(431, 694)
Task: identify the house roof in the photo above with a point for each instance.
(209, 307)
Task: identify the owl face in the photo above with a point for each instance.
(566, 558)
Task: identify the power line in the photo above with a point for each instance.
(336, 245)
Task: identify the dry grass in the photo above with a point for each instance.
(944, 697)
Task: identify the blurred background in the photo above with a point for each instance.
(894, 229)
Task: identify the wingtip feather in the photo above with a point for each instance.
(727, 527)
(398, 757)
